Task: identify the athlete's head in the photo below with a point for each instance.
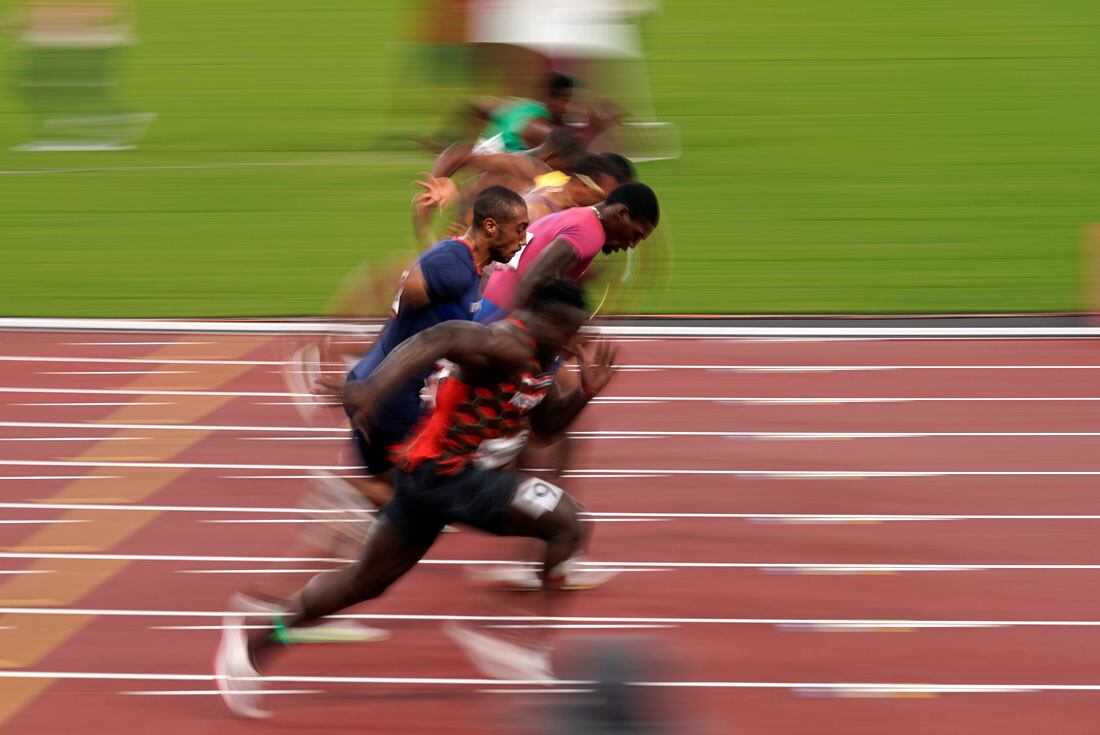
(554, 314)
(559, 93)
(561, 150)
(621, 167)
(592, 180)
(501, 216)
(630, 213)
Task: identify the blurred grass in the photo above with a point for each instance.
(854, 157)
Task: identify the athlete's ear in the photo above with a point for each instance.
(490, 226)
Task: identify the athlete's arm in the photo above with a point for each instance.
(554, 262)
(473, 347)
(557, 412)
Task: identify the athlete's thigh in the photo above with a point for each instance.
(539, 509)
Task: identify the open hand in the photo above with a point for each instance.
(597, 366)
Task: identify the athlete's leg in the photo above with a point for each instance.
(390, 552)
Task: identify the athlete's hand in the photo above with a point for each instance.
(597, 364)
(329, 386)
(439, 192)
(361, 403)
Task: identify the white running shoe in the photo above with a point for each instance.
(511, 577)
(238, 681)
(572, 574)
(501, 659)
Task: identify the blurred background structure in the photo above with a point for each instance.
(860, 157)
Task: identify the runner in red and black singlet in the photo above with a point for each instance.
(452, 469)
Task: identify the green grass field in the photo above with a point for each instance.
(851, 156)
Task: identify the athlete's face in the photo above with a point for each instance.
(625, 232)
(558, 105)
(508, 235)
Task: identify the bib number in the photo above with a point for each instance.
(536, 497)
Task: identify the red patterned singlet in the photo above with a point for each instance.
(466, 417)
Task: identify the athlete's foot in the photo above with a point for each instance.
(498, 658)
(570, 576)
(237, 679)
(329, 631)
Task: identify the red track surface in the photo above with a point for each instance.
(726, 648)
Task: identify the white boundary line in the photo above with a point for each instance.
(598, 400)
(869, 688)
(596, 473)
(853, 622)
(827, 517)
(304, 327)
(822, 566)
(340, 367)
(342, 432)
(823, 517)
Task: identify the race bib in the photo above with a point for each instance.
(535, 497)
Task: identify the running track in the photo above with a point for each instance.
(867, 537)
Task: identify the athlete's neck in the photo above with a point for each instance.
(479, 246)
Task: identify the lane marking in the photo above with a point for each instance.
(99, 403)
(121, 344)
(865, 622)
(342, 432)
(869, 687)
(210, 692)
(747, 368)
(778, 400)
(827, 566)
(593, 473)
(61, 477)
(610, 515)
(117, 372)
(331, 327)
(73, 438)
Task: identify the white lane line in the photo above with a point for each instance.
(40, 521)
(579, 626)
(870, 688)
(848, 368)
(285, 477)
(841, 566)
(597, 567)
(813, 400)
(253, 571)
(613, 330)
(59, 477)
(74, 438)
(580, 473)
(536, 691)
(210, 692)
(342, 432)
(296, 520)
(173, 465)
(778, 400)
(610, 515)
(116, 372)
(343, 438)
(864, 622)
(26, 571)
(98, 403)
(136, 360)
(132, 392)
(143, 344)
